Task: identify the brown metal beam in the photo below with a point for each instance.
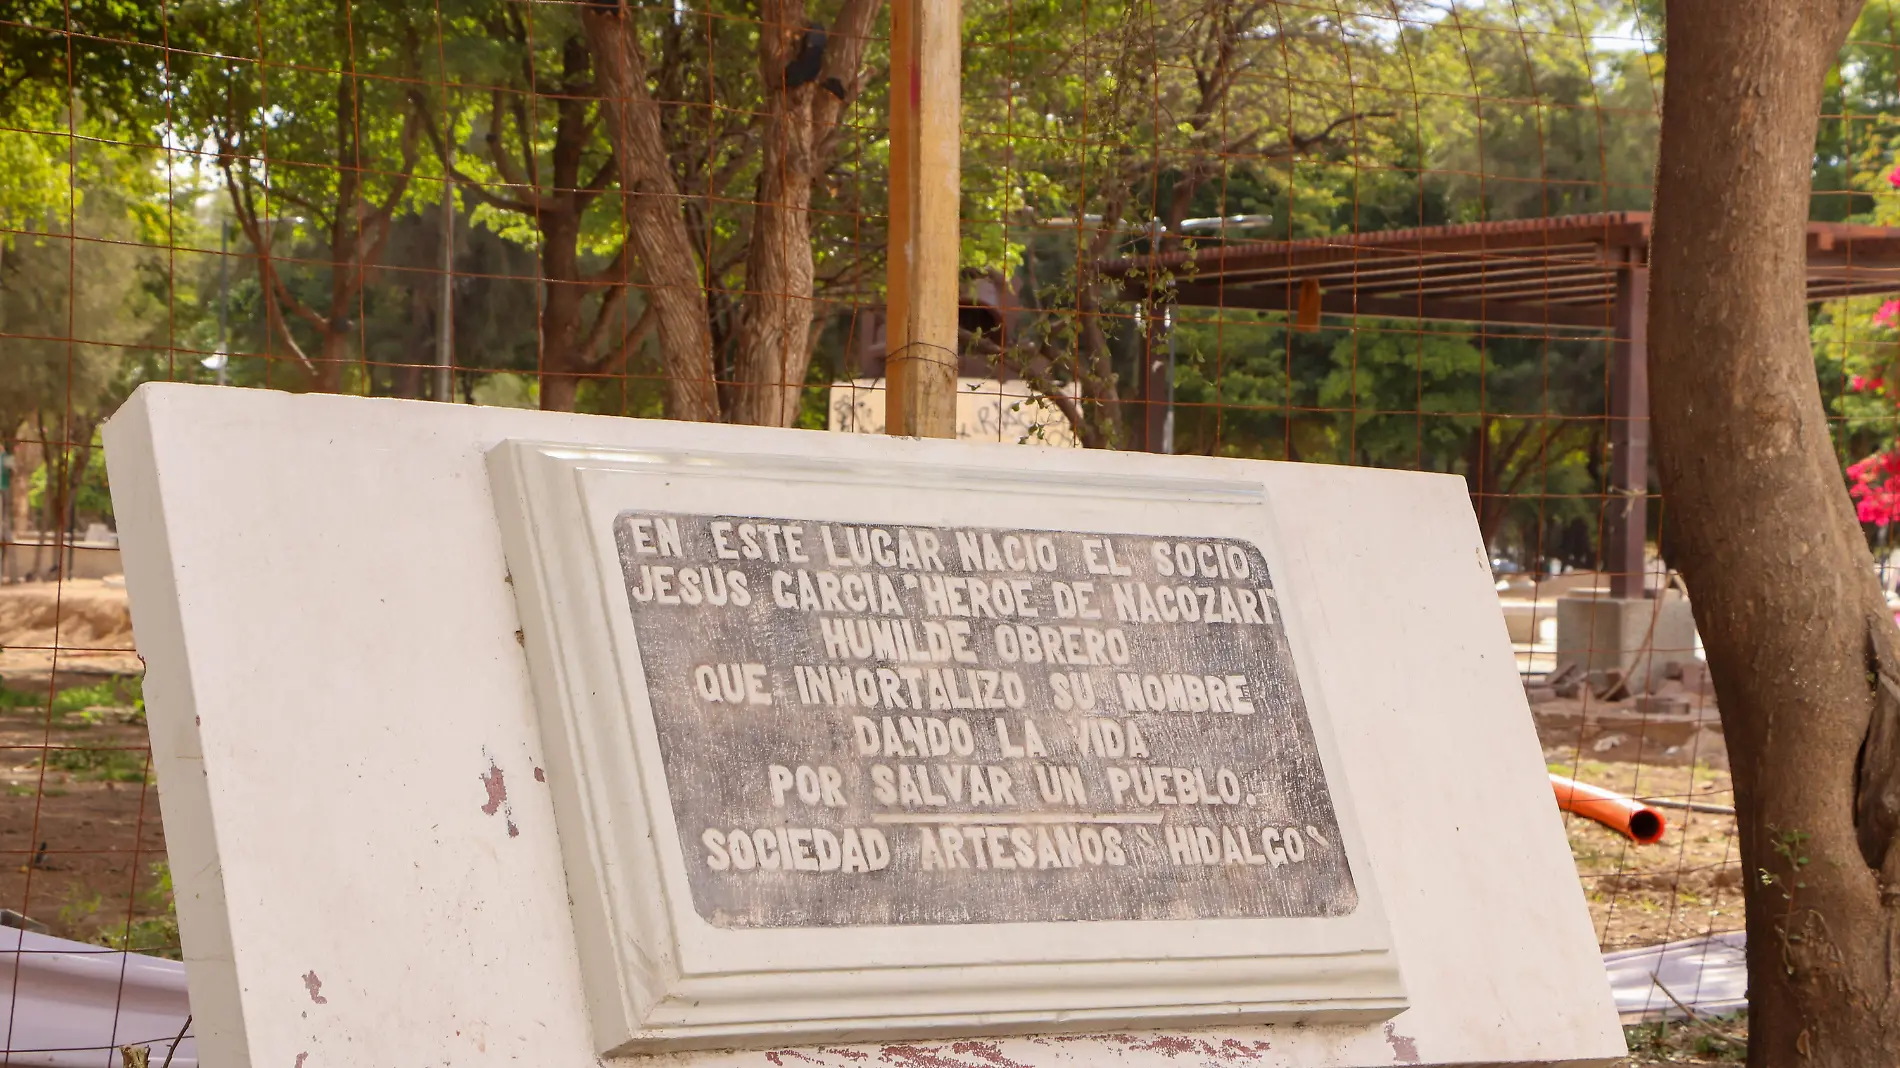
(1533, 290)
(1539, 236)
(1444, 281)
(1286, 298)
(1323, 261)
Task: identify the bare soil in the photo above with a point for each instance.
(1721, 1040)
(81, 848)
(1686, 885)
(86, 620)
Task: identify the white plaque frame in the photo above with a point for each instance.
(659, 977)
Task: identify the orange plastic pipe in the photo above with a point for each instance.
(1626, 816)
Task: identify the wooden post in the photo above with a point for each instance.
(1628, 514)
(921, 315)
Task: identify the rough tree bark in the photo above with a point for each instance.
(774, 346)
(1801, 646)
(655, 227)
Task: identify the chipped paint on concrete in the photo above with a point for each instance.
(1404, 1047)
(965, 1054)
(1171, 1046)
(314, 984)
(496, 783)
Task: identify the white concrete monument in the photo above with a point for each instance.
(493, 736)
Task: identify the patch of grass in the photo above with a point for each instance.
(11, 699)
(155, 932)
(1709, 1040)
(83, 702)
(100, 765)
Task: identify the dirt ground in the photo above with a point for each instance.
(81, 849)
(87, 619)
(1688, 884)
(1723, 1040)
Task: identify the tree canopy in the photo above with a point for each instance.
(679, 209)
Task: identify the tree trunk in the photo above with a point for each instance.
(654, 222)
(771, 359)
(1800, 644)
(344, 225)
(333, 352)
(53, 507)
(561, 307)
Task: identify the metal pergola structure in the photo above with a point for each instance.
(1570, 275)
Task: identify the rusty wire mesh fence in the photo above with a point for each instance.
(1404, 233)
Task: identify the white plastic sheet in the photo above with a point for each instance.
(1708, 975)
(71, 1005)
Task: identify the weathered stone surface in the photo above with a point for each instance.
(874, 725)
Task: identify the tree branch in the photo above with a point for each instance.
(475, 188)
(643, 327)
(276, 294)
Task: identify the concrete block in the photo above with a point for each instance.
(1641, 637)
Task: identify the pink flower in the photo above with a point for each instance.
(1885, 316)
(1858, 385)
(1874, 487)
(1893, 177)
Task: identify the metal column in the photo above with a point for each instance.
(1626, 519)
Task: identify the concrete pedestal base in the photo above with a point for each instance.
(1639, 637)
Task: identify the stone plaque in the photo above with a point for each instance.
(847, 746)
(878, 724)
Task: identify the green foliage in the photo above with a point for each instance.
(117, 692)
(1530, 117)
(151, 927)
(94, 498)
(84, 291)
(101, 764)
(38, 59)
(1703, 1040)
(1519, 417)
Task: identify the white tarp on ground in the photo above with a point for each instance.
(1708, 975)
(72, 1005)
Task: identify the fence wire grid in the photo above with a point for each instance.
(1404, 234)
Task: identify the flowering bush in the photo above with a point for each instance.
(1857, 354)
(1875, 491)
(1869, 403)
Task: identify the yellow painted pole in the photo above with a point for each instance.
(921, 312)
